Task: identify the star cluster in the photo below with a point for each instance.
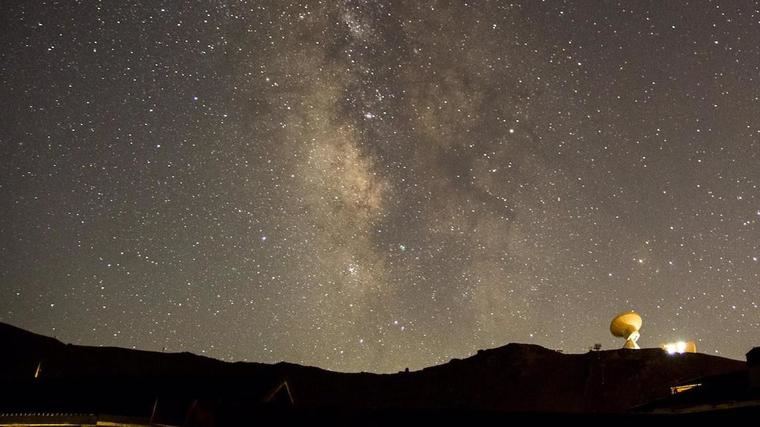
(374, 185)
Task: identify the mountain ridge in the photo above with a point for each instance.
(511, 378)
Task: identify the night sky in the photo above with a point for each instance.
(371, 185)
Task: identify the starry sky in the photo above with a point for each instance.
(374, 185)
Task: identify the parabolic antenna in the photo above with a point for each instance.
(627, 325)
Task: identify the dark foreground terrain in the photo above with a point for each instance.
(43, 380)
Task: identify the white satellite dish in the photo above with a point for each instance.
(627, 325)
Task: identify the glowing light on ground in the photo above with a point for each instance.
(680, 347)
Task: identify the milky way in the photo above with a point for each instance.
(364, 185)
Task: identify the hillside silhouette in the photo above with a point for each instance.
(43, 374)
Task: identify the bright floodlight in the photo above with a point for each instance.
(680, 347)
(627, 325)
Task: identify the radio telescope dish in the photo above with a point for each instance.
(627, 325)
